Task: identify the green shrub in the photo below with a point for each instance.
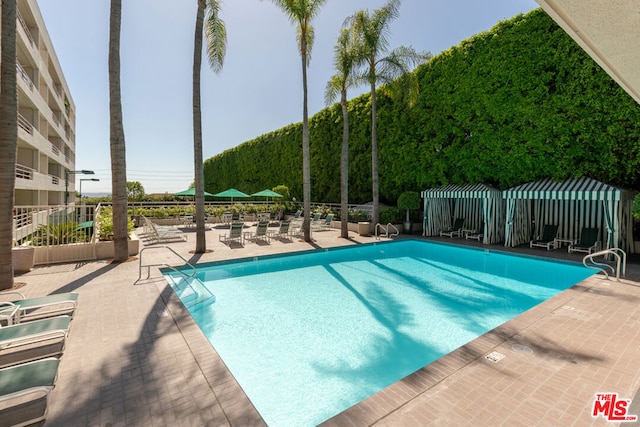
(391, 215)
(58, 234)
(104, 222)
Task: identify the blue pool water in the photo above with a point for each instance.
(308, 335)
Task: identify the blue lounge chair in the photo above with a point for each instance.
(40, 307)
(588, 242)
(323, 225)
(24, 390)
(34, 340)
(282, 232)
(476, 234)
(260, 233)
(235, 234)
(548, 238)
(455, 230)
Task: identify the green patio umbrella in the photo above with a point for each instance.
(266, 193)
(231, 193)
(190, 192)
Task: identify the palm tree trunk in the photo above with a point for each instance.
(117, 144)
(306, 158)
(344, 168)
(201, 241)
(8, 139)
(374, 156)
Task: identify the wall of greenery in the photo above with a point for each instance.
(517, 103)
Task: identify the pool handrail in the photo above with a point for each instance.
(386, 230)
(164, 264)
(621, 260)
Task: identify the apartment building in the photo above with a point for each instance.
(46, 119)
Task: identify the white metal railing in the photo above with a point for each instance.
(620, 264)
(52, 225)
(24, 26)
(55, 149)
(24, 172)
(24, 75)
(25, 124)
(386, 228)
(55, 180)
(56, 119)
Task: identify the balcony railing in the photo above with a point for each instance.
(56, 119)
(24, 124)
(24, 76)
(24, 26)
(24, 172)
(54, 149)
(55, 180)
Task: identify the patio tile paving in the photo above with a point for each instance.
(135, 357)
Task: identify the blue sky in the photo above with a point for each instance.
(258, 90)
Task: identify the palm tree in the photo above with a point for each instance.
(371, 30)
(302, 12)
(117, 142)
(8, 138)
(344, 61)
(216, 49)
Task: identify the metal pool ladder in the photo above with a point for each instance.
(620, 258)
(197, 291)
(385, 228)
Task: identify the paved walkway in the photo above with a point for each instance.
(135, 357)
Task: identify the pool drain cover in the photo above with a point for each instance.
(521, 348)
(495, 357)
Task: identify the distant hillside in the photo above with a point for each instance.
(517, 103)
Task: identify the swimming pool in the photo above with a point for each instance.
(308, 335)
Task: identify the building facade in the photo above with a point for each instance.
(46, 116)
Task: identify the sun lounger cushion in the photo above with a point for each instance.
(43, 307)
(24, 390)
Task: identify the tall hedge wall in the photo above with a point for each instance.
(517, 103)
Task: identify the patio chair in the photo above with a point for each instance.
(24, 390)
(326, 224)
(27, 309)
(260, 233)
(166, 234)
(35, 340)
(234, 234)
(476, 234)
(455, 230)
(588, 242)
(315, 220)
(548, 238)
(282, 232)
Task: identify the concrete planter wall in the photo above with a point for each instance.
(81, 251)
(22, 258)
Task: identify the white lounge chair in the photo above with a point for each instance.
(548, 238)
(27, 309)
(455, 230)
(326, 224)
(235, 234)
(260, 233)
(588, 242)
(282, 232)
(24, 390)
(35, 340)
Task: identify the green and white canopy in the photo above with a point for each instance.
(571, 204)
(481, 206)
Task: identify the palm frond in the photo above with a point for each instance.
(216, 36)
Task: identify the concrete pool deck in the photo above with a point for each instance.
(135, 357)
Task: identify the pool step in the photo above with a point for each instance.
(191, 291)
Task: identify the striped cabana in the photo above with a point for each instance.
(571, 204)
(480, 205)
